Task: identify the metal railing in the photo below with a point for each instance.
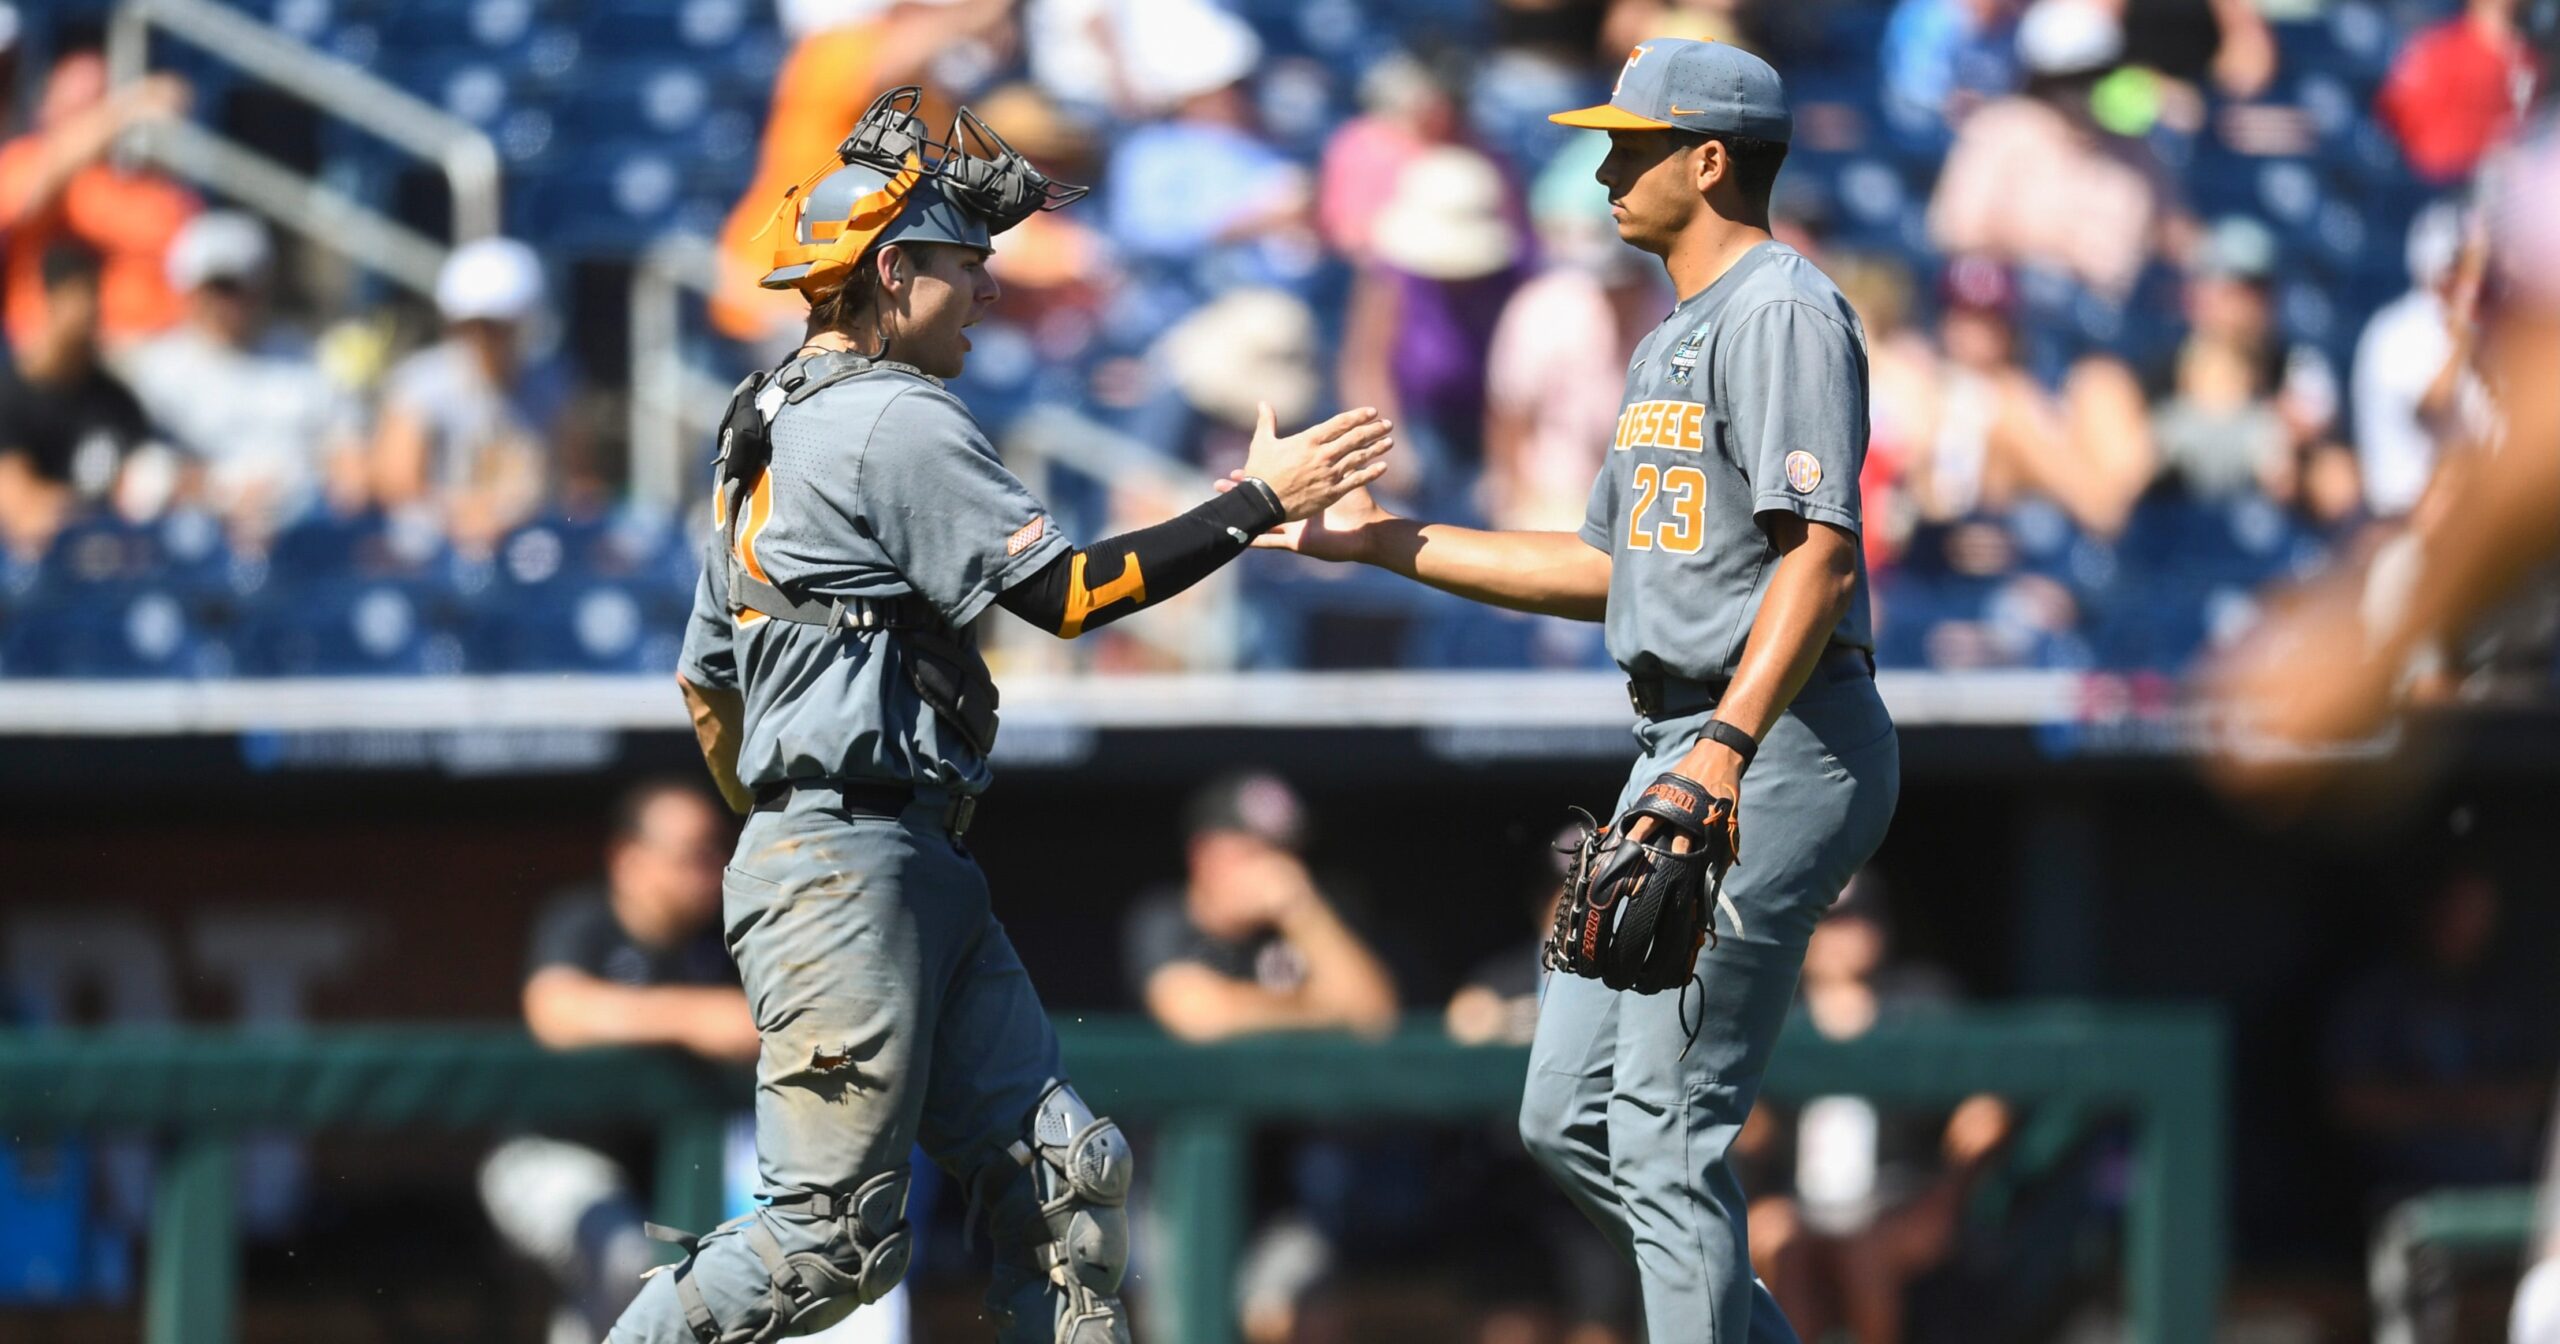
(309, 207)
(673, 405)
(206, 1089)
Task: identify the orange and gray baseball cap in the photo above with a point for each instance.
(1676, 83)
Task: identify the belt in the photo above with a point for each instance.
(1653, 697)
(869, 798)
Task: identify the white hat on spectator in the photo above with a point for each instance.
(1183, 50)
(218, 245)
(490, 280)
(1448, 218)
(8, 25)
(1246, 346)
(2069, 37)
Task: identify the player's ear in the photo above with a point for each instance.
(895, 267)
(1709, 163)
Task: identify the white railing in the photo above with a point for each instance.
(309, 207)
(673, 404)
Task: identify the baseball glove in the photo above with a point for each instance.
(1635, 914)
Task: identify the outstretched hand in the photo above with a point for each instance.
(1311, 469)
(1339, 532)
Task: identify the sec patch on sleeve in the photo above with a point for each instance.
(1029, 533)
(1804, 471)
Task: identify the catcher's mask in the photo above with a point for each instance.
(893, 182)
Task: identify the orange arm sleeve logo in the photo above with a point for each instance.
(1083, 602)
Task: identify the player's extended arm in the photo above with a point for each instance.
(1282, 479)
(719, 721)
(568, 1009)
(1550, 573)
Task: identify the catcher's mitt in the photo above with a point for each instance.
(1635, 914)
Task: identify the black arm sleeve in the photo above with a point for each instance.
(1139, 569)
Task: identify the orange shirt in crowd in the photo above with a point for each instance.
(130, 218)
(822, 89)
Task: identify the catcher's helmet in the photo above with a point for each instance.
(894, 183)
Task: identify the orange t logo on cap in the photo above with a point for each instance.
(1632, 57)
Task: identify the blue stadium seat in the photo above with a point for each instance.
(352, 627)
(112, 630)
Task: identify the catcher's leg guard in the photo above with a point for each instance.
(820, 1255)
(1056, 1212)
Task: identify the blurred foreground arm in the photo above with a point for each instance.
(2326, 669)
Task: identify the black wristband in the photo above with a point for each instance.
(1743, 744)
(1266, 501)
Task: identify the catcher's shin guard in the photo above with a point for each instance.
(1057, 1214)
(863, 1242)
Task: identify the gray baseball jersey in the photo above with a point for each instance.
(1750, 398)
(881, 485)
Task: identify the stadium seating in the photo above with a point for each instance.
(621, 119)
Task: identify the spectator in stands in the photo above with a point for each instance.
(67, 426)
(1249, 346)
(2458, 88)
(634, 960)
(472, 426)
(2192, 41)
(1982, 434)
(272, 434)
(2438, 1063)
(844, 53)
(2240, 411)
(56, 185)
(1408, 108)
(1055, 268)
(1943, 58)
(1250, 945)
(1446, 255)
(2415, 390)
(2033, 180)
(1874, 1198)
(1560, 351)
(1204, 179)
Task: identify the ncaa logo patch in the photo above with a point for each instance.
(1804, 471)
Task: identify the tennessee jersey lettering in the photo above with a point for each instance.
(1677, 425)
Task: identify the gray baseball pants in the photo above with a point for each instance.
(893, 1011)
(1636, 1133)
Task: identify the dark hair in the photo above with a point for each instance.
(634, 802)
(840, 308)
(67, 261)
(1755, 161)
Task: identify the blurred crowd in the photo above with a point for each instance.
(2164, 299)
